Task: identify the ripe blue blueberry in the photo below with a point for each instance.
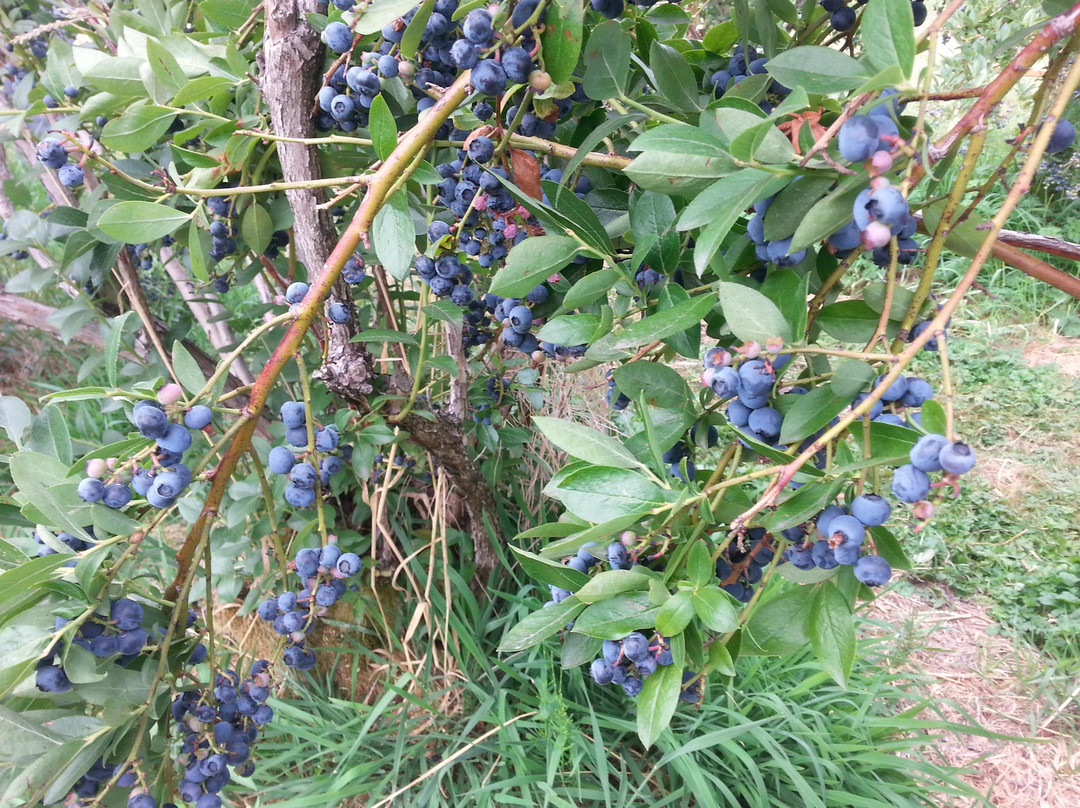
(895, 391)
(601, 671)
(51, 679)
(51, 154)
(726, 382)
(126, 613)
(481, 149)
(299, 497)
(858, 137)
(477, 26)
(303, 475)
(116, 495)
(910, 484)
(1062, 138)
(326, 439)
(823, 555)
(268, 609)
(756, 378)
(91, 490)
(292, 414)
(176, 439)
(887, 205)
(70, 175)
(766, 422)
(198, 417)
(635, 646)
(632, 686)
(850, 529)
(281, 460)
(919, 391)
(150, 420)
(871, 509)
(612, 651)
(349, 564)
(131, 642)
(873, 570)
(925, 454)
(296, 291)
(488, 77)
(842, 19)
(337, 37)
(957, 458)
(825, 518)
(296, 436)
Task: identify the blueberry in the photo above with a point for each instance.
(326, 439)
(887, 205)
(612, 651)
(268, 609)
(875, 409)
(925, 454)
(126, 613)
(847, 554)
(131, 642)
(281, 460)
(738, 413)
(116, 495)
(756, 378)
(957, 458)
(141, 801)
(150, 420)
(353, 272)
(51, 679)
(518, 64)
(293, 414)
(477, 26)
(895, 391)
(823, 555)
(488, 78)
(873, 570)
(766, 422)
(871, 509)
(349, 564)
(51, 154)
(388, 66)
(849, 528)
(635, 646)
(910, 484)
(726, 382)
(825, 518)
(918, 10)
(303, 475)
(71, 176)
(847, 238)
(339, 38)
(198, 417)
(858, 137)
(481, 149)
(918, 392)
(842, 19)
(464, 55)
(91, 490)
(632, 686)
(299, 497)
(602, 671)
(177, 439)
(296, 292)
(520, 319)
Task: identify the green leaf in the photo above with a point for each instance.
(200, 88)
(15, 417)
(132, 222)
(963, 239)
(663, 386)
(394, 237)
(256, 227)
(165, 66)
(720, 38)
(674, 77)
(832, 633)
(600, 493)
(653, 214)
(715, 609)
(680, 160)
(726, 199)
(817, 69)
(382, 127)
(750, 315)
(589, 288)
(700, 568)
(889, 443)
(414, 32)
(828, 215)
(379, 14)
(888, 35)
(607, 62)
(549, 572)
(446, 311)
(584, 443)
(792, 204)
(137, 130)
(540, 625)
(657, 702)
(932, 417)
(188, 372)
(720, 659)
(810, 413)
(800, 506)
(874, 295)
(789, 291)
(49, 435)
(571, 329)
(778, 626)
(579, 649)
(119, 75)
(675, 614)
(199, 244)
(614, 618)
(609, 583)
(585, 222)
(851, 321)
(562, 38)
(851, 377)
(531, 262)
(665, 322)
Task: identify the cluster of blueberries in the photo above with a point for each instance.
(842, 17)
(740, 569)
(223, 238)
(303, 475)
(141, 254)
(401, 460)
(222, 727)
(16, 255)
(324, 572)
(167, 479)
(123, 634)
(745, 63)
(52, 154)
(446, 47)
(933, 452)
(86, 788)
(76, 544)
(337, 312)
(629, 661)
(841, 532)
(749, 387)
(680, 451)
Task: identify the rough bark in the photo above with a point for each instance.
(291, 76)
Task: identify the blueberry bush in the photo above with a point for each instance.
(326, 253)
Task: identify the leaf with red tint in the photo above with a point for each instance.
(526, 172)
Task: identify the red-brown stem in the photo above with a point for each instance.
(1057, 29)
(393, 169)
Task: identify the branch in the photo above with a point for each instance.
(1030, 265)
(1043, 244)
(394, 168)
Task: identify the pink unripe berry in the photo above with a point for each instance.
(881, 161)
(169, 394)
(752, 349)
(511, 230)
(96, 467)
(876, 235)
(707, 377)
(628, 538)
(110, 462)
(877, 183)
(922, 510)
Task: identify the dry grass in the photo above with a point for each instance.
(1058, 350)
(978, 676)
